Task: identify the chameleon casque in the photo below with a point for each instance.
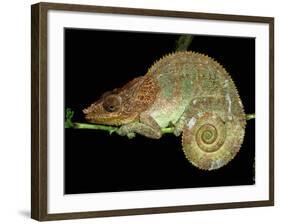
(188, 91)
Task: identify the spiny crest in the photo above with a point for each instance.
(202, 58)
(205, 58)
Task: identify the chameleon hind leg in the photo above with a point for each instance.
(179, 126)
(210, 139)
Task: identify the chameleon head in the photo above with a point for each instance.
(115, 107)
(104, 110)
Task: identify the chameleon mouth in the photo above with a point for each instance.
(92, 118)
(101, 120)
(89, 117)
(92, 115)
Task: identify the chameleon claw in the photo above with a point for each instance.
(111, 131)
(131, 135)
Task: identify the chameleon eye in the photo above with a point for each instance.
(112, 103)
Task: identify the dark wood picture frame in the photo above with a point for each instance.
(39, 148)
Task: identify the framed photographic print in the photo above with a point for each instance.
(138, 111)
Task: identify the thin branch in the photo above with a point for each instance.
(183, 43)
(112, 129)
(250, 116)
(167, 130)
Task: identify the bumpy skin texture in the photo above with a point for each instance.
(185, 90)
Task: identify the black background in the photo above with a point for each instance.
(97, 61)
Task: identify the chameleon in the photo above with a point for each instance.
(187, 91)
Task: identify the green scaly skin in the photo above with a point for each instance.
(187, 93)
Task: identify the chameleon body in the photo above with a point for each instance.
(188, 91)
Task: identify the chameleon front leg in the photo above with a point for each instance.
(146, 126)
